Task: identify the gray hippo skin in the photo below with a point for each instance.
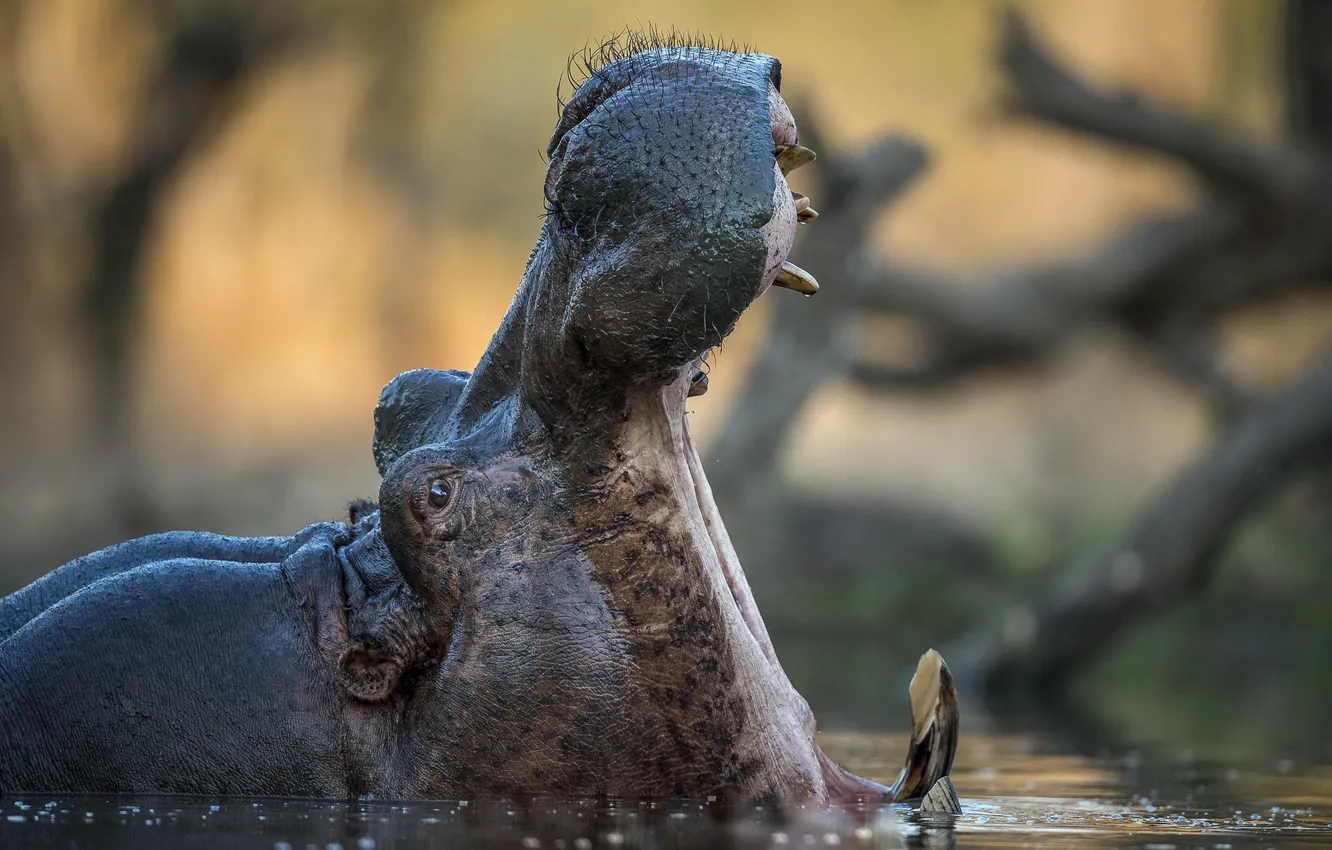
(543, 600)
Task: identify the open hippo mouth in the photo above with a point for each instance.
(553, 506)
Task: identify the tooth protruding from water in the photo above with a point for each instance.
(934, 721)
(791, 157)
(942, 799)
(790, 276)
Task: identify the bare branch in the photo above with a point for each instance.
(1042, 88)
(1172, 546)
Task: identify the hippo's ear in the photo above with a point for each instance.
(368, 674)
(414, 410)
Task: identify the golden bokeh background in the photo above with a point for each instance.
(360, 196)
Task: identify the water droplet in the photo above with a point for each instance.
(582, 844)
(982, 819)
(365, 842)
(780, 838)
(16, 818)
(281, 845)
(832, 838)
(531, 842)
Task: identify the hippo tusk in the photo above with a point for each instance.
(934, 722)
(698, 385)
(924, 777)
(790, 276)
(791, 157)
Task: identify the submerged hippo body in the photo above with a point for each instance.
(543, 599)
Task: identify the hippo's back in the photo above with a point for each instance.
(184, 675)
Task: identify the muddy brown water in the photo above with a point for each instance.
(1018, 790)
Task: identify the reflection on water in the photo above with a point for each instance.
(1017, 791)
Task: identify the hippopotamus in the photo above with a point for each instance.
(543, 599)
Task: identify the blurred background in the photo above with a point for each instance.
(1058, 409)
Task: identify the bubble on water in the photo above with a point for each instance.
(582, 844)
(614, 839)
(982, 819)
(1030, 821)
(365, 842)
(1012, 819)
(863, 833)
(1052, 818)
(780, 838)
(22, 806)
(531, 842)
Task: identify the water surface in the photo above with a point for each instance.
(1018, 790)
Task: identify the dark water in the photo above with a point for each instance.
(1018, 790)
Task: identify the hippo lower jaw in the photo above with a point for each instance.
(792, 723)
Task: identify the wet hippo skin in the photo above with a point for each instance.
(543, 598)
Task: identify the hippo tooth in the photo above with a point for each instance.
(698, 385)
(791, 276)
(791, 157)
(804, 212)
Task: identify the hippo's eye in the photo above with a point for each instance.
(440, 493)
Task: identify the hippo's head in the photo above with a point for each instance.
(570, 615)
